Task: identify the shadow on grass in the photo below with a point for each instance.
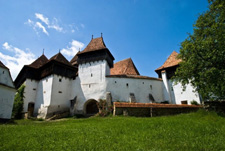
(4, 121)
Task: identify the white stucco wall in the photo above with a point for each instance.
(7, 94)
(179, 95)
(5, 77)
(140, 87)
(90, 83)
(61, 92)
(30, 92)
(166, 88)
(6, 101)
(43, 97)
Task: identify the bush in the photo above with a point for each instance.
(18, 103)
(104, 108)
(194, 102)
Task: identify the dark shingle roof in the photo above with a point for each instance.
(2, 65)
(74, 59)
(124, 67)
(60, 58)
(95, 44)
(39, 62)
(171, 61)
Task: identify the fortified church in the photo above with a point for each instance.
(56, 85)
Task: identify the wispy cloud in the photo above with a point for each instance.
(42, 18)
(73, 48)
(17, 60)
(39, 25)
(50, 25)
(44, 23)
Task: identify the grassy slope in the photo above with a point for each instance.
(195, 131)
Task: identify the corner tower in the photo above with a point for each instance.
(94, 62)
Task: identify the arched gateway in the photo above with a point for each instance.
(90, 107)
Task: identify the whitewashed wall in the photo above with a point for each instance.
(166, 88)
(6, 101)
(179, 95)
(5, 77)
(43, 97)
(7, 93)
(61, 92)
(30, 92)
(91, 83)
(140, 87)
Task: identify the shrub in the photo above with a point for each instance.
(18, 103)
(104, 108)
(194, 102)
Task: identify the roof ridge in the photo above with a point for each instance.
(128, 59)
(171, 61)
(94, 45)
(40, 61)
(3, 66)
(60, 58)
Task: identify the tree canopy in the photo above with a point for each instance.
(203, 54)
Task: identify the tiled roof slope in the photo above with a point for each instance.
(124, 67)
(74, 59)
(39, 62)
(60, 58)
(133, 77)
(171, 61)
(95, 44)
(2, 65)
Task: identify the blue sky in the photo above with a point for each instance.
(145, 30)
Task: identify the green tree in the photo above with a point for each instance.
(18, 103)
(203, 54)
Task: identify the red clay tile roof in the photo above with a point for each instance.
(39, 62)
(95, 44)
(133, 76)
(124, 67)
(2, 65)
(171, 61)
(60, 58)
(73, 61)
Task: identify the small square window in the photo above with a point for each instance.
(60, 80)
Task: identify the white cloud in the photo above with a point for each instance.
(51, 25)
(42, 18)
(17, 60)
(39, 25)
(44, 23)
(73, 49)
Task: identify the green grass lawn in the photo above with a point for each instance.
(194, 131)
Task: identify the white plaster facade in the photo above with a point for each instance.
(56, 93)
(7, 93)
